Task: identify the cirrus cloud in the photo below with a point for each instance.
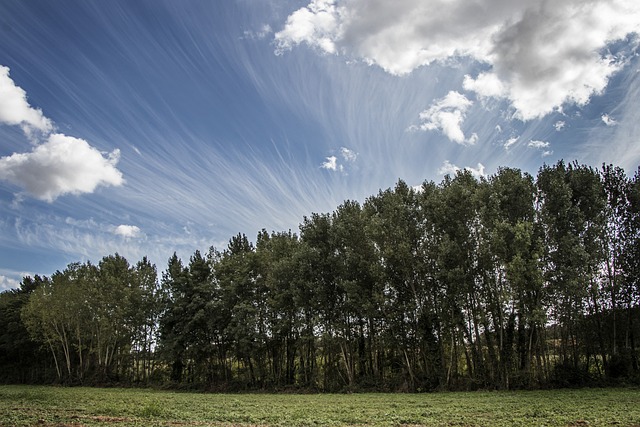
(538, 144)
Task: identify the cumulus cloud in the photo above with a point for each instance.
(608, 120)
(559, 125)
(542, 146)
(449, 168)
(330, 163)
(127, 231)
(447, 115)
(538, 54)
(15, 108)
(62, 165)
(317, 25)
(485, 85)
(7, 283)
(348, 155)
(333, 163)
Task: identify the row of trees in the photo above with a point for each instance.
(502, 282)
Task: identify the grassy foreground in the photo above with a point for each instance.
(61, 407)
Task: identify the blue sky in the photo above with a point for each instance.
(148, 127)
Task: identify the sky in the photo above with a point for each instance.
(150, 127)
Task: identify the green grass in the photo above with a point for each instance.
(66, 407)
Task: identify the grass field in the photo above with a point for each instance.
(62, 407)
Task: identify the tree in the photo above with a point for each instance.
(21, 357)
(572, 216)
(402, 237)
(57, 315)
(455, 216)
(242, 299)
(358, 278)
(511, 280)
(145, 315)
(277, 267)
(630, 274)
(192, 319)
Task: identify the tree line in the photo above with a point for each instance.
(501, 282)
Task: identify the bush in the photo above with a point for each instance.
(569, 374)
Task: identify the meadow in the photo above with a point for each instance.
(78, 406)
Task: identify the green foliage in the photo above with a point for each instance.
(89, 317)
(21, 358)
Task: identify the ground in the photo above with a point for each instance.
(78, 406)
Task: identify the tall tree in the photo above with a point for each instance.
(325, 293)
(511, 283)
(630, 266)
(358, 277)
(173, 331)
(145, 315)
(241, 296)
(277, 265)
(455, 215)
(572, 215)
(22, 359)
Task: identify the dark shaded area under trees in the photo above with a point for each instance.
(505, 282)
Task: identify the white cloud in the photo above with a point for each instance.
(538, 144)
(559, 125)
(331, 163)
(127, 231)
(317, 25)
(62, 165)
(7, 283)
(478, 171)
(263, 32)
(510, 142)
(449, 168)
(608, 120)
(486, 84)
(539, 54)
(348, 155)
(447, 115)
(15, 109)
